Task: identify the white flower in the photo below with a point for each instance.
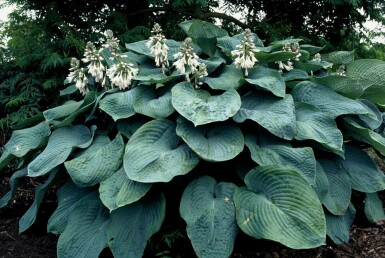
(81, 82)
(96, 67)
(282, 66)
(158, 47)
(293, 48)
(121, 74)
(112, 43)
(76, 74)
(317, 57)
(244, 53)
(186, 57)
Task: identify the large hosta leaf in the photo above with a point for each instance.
(68, 196)
(93, 167)
(128, 127)
(364, 174)
(321, 186)
(59, 147)
(338, 198)
(373, 119)
(205, 34)
(119, 104)
(200, 107)
(64, 110)
(339, 57)
(338, 227)
(264, 57)
(295, 74)
(228, 79)
(85, 234)
(326, 99)
(267, 79)
(118, 190)
(275, 114)
(279, 204)
(371, 75)
(212, 143)
(361, 133)
(13, 183)
(208, 209)
(141, 220)
(153, 103)
(342, 84)
(29, 216)
(374, 209)
(22, 141)
(154, 153)
(265, 150)
(313, 124)
(88, 103)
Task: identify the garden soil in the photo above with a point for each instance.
(367, 240)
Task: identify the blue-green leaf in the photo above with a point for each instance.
(364, 174)
(275, 114)
(119, 104)
(371, 74)
(361, 133)
(321, 186)
(59, 147)
(228, 79)
(85, 234)
(374, 209)
(64, 110)
(68, 196)
(265, 150)
(13, 183)
(154, 153)
(313, 124)
(267, 79)
(343, 85)
(209, 212)
(200, 107)
(212, 143)
(29, 216)
(95, 166)
(22, 141)
(338, 197)
(155, 103)
(141, 220)
(339, 57)
(118, 190)
(279, 204)
(295, 74)
(338, 227)
(326, 99)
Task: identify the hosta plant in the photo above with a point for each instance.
(266, 140)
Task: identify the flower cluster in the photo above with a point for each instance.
(293, 48)
(76, 74)
(121, 74)
(158, 47)
(317, 57)
(96, 67)
(288, 65)
(112, 43)
(187, 57)
(244, 52)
